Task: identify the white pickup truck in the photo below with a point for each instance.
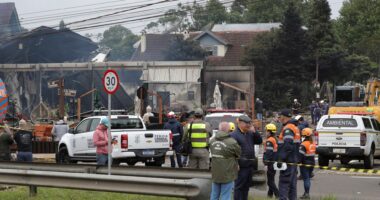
(348, 137)
(132, 142)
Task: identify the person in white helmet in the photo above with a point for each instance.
(296, 107)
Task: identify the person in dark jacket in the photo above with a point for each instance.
(307, 157)
(311, 108)
(177, 132)
(259, 109)
(270, 150)
(6, 141)
(224, 166)
(23, 139)
(302, 123)
(246, 139)
(288, 153)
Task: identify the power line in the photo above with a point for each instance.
(106, 23)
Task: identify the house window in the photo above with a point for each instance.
(211, 51)
(190, 95)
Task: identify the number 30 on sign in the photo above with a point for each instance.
(110, 81)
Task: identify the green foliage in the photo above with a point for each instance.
(180, 49)
(21, 193)
(120, 40)
(359, 26)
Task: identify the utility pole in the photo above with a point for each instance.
(61, 98)
(252, 79)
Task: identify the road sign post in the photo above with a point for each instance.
(110, 84)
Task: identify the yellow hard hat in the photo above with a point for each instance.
(232, 126)
(307, 132)
(271, 127)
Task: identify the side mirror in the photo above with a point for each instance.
(71, 130)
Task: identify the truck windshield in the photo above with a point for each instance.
(214, 121)
(126, 123)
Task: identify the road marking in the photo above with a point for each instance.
(368, 177)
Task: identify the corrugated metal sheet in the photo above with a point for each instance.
(245, 27)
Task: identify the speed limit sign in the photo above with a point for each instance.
(110, 81)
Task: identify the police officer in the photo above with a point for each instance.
(288, 153)
(177, 132)
(199, 132)
(246, 139)
(306, 157)
(270, 150)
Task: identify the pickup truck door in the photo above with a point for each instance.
(90, 149)
(80, 139)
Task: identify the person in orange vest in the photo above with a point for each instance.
(288, 153)
(270, 150)
(307, 157)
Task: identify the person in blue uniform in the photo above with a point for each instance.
(246, 139)
(288, 141)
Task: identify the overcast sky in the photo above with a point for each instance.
(34, 13)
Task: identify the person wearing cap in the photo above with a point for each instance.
(288, 153)
(199, 133)
(175, 127)
(6, 141)
(224, 166)
(296, 107)
(232, 127)
(307, 157)
(100, 139)
(270, 150)
(23, 139)
(246, 140)
(59, 129)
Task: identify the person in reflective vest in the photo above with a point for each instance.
(288, 153)
(199, 133)
(270, 150)
(247, 140)
(307, 157)
(175, 127)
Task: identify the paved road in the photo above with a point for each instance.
(341, 185)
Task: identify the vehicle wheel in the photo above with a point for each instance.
(256, 164)
(369, 160)
(116, 162)
(131, 162)
(323, 161)
(344, 161)
(63, 156)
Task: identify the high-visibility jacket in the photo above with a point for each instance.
(199, 135)
(288, 143)
(270, 149)
(307, 153)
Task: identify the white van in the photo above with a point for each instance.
(348, 137)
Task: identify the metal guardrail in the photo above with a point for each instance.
(122, 170)
(190, 188)
(189, 184)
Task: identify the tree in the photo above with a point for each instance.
(358, 21)
(180, 49)
(62, 25)
(325, 50)
(214, 12)
(120, 40)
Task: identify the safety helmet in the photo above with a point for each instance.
(170, 114)
(307, 132)
(232, 126)
(271, 127)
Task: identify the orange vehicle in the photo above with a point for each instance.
(354, 100)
